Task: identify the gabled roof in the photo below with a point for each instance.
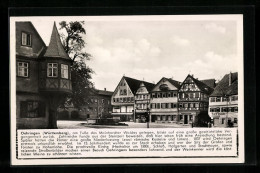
(177, 84)
(201, 85)
(223, 87)
(210, 82)
(55, 48)
(134, 84)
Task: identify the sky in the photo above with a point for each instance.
(151, 47)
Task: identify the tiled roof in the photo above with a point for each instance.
(134, 84)
(103, 92)
(223, 87)
(177, 84)
(202, 86)
(55, 48)
(210, 82)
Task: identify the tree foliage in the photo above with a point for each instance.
(74, 45)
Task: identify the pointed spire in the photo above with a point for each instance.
(55, 48)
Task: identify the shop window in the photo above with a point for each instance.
(52, 70)
(32, 109)
(23, 69)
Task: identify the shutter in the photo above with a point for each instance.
(24, 38)
(23, 109)
(41, 112)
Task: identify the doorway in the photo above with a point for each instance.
(185, 119)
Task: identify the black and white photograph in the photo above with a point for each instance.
(154, 72)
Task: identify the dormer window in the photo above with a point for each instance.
(52, 70)
(26, 39)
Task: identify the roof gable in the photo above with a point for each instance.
(37, 46)
(170, 83)
(55, 48)
(201, 86)
(134, 84)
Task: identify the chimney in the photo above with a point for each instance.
(105, 89)
(229, 79)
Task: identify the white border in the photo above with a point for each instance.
(238, 18)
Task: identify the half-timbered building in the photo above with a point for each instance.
(123, 98)
(193, 99)
(142, 101)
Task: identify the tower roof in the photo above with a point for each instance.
(55, 48)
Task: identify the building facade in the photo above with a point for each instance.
(164, 101)
(31, 107)
(43, 77)
(193, 99)
(98, 105)
(142, 102)
(223, 102)
(123, 98)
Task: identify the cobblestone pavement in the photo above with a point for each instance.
(65, 124)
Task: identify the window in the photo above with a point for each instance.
(52, 69)
(235, 120)
(223, 109)
(23, 69)
(114, 100)
(102, 100)
(181, 117)
(196, 105)
(191, 117)
(64, 71)
(218, 99)
(236, 109)
(191, 95)
(175, 95)
(217, 109)
(222, 120)
(180, 105)
(163, 105)
(32, 109)
(185, 105)
(158, 106)
(172, 105)
(197, 95)
(234, 98)
(26, 39)
(191, 105)
(211, 110)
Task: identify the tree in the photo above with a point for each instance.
(74, 45)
